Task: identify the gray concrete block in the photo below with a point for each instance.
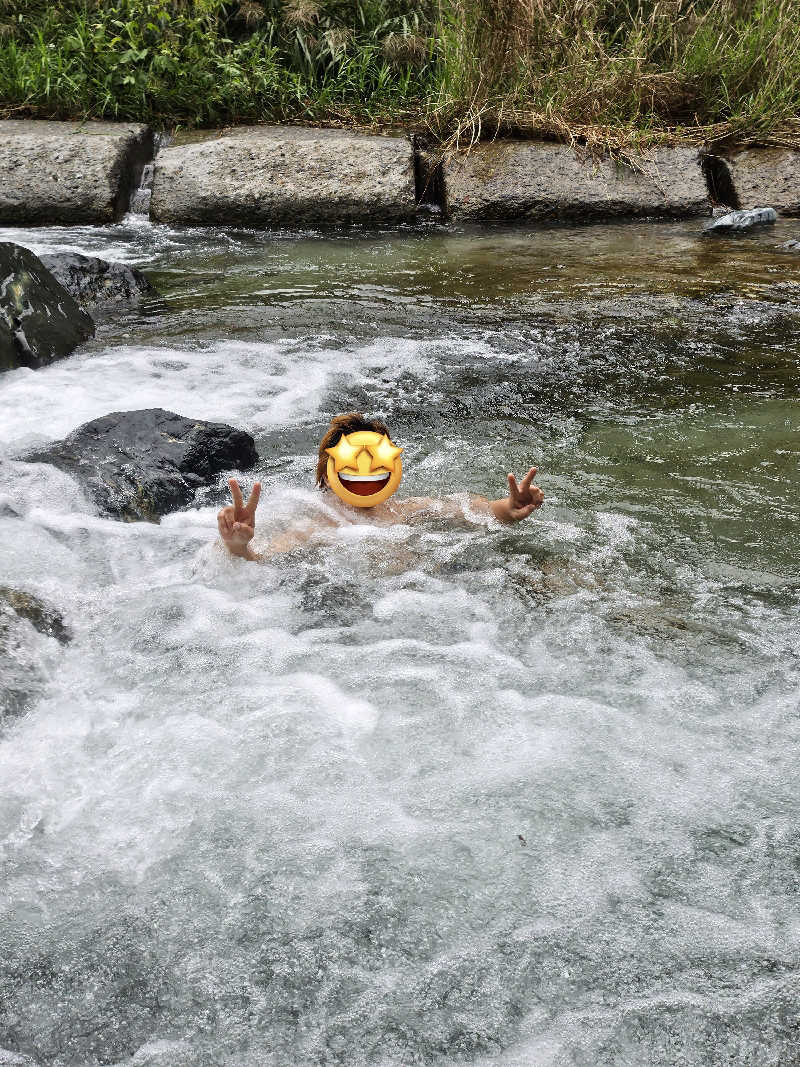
(285, 175)
(68, 172)
(767, 176)
(534, 180)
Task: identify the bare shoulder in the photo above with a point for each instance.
(297, 535)
(410, 505)
(451, 507)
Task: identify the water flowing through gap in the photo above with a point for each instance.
(141, 195)
(429, 794)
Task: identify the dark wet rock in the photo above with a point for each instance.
(95, 281)
(69, 172)
(144, 464)
(40, 615)
(739, 221)
(39, 320)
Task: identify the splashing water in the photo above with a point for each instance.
(429, 794)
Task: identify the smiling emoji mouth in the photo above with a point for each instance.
(364, 484)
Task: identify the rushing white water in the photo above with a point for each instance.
(433, 793)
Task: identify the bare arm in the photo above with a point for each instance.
(237, 522)
(522, 500)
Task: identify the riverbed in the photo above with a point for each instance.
(438, 793)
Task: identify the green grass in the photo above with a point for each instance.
(206, 62)
(607, 72)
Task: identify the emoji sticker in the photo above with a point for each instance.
(364, 468)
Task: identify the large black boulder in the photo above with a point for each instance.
(144, 464)
(39, 320)
(95, 282)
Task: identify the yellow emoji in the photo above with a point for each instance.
(364, 468)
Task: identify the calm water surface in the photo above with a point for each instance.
(428, 794)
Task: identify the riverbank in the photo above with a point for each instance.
(610, 75)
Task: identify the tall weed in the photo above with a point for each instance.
(618, 69)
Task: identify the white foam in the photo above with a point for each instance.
(256, 386)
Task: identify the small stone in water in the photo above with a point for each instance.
(742, 220)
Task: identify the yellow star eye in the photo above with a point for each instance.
(384, 453)
(344, 454)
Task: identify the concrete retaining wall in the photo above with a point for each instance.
(274, 175)
(62, 172)
(531, 180)
(766, 177)
(68, 172)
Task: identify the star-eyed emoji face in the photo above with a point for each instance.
(364, 468)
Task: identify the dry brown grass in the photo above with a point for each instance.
(405, 49)
(615, 74)
(300, 12)
(252, 12)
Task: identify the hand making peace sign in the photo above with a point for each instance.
(237, 524)
(523, 498)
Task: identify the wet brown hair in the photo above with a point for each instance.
(341, 424)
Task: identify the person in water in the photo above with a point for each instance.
(237, 522)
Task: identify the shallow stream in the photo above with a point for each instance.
(445, 793)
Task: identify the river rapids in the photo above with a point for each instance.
(429, 794)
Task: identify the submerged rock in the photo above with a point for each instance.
(40, 615)
(742, 220)
(39, 320)
(20, 679)
(95, 281)
(144, 464)
(22, 663)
